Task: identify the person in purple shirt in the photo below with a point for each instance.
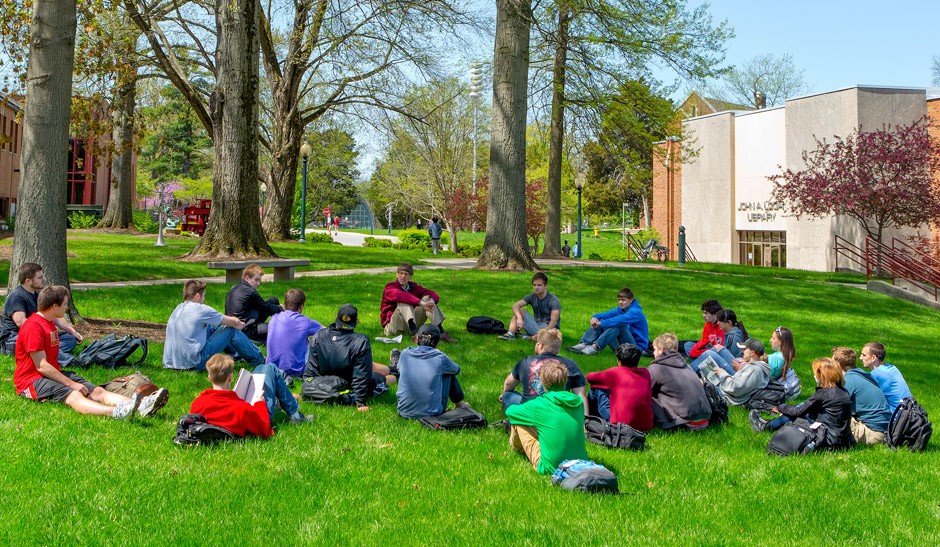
(288, 332)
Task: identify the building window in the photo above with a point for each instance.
(767, 248)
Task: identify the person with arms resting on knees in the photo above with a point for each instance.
(526, 372)
(545, 307)
(195, 332)
(288, 334)
(223, 407)
(831, 406)
(751, 375)
(624, 324)
(407, 305)
(888, 376)
(623, 394)
(339, 350)
(679, 398)
(870, 412)
(549, 429)
(427, 379)
(725, 352)
(711, 332)
(38, 375)
(244, 302)
(20, 304)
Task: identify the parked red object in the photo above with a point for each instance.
(195, 217)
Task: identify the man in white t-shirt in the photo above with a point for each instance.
(195, 332)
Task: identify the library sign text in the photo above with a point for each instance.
(757, 211)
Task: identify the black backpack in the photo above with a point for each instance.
(600, 431)
(194, 430)
(482, 324)
(112, 351)
(909, 426)
(458, 418)
(769, 397)
(717, 402)
(326, 390)
(797, 437)
(585, 476)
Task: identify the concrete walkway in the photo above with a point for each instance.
(353, 239)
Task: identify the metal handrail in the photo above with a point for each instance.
(906, 247)
(901, 265)
(850, 251)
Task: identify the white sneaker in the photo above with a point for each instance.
(153, 402)
(125, 410)
(577, 347)
(588, 350)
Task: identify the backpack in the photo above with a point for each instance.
(194, 430)
(796, 437)
(129, 385)
(326, 390)
(717, 401)
(111, 352)
(482, 324)
(791, 384)
(767, 397)
(600, 431)
(585, 476)
(909, 426)
(458, 418)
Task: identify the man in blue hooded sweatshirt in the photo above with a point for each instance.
(624, 324)
(428, 377)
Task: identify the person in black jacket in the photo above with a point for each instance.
(831, 406)
(340, 351)
(244, 302)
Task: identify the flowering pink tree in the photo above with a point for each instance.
(880, 178)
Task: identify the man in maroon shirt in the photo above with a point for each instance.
(623, 394)
(407, 305)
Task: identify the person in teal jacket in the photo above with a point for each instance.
(549, 429)
(624, 324)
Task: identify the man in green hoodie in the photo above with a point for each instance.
(549, 429)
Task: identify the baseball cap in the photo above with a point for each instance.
(347, 317)
(753, 344)
(430, 331)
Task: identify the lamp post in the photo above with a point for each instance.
(264, 190)
(160, 242)
(579, 182)
(305, 152)
(476, 90)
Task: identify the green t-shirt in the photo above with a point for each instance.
(559, 418)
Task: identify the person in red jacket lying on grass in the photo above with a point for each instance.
(623, 394)
(223, 407)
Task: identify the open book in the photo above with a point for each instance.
(249, 387)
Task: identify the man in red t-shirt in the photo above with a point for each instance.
(623, 394)
(39, 377)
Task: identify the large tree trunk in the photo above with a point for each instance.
(556, 139)
(41, 197)
(285, 151)
(506, 244)
(120, 203)
(234, 228)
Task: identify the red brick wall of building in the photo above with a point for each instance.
(667, 193)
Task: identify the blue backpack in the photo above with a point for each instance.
(585, 476)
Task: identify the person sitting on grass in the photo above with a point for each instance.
(781, 341)
(339, 350)
(566, 250)
(624, 324)
(20, 304)
(711, 332)
(831, 406)
(545, 307)
(679, 398)
(38, 375)
(244, 302)
(223, 407)
(428, 377)
(623, 394)
(870, 412)
(725, 352)
(196, 332)
(288, 334)
(889, 378)
(751, 375)
(549, 429)
(526, 372)
(407, 305)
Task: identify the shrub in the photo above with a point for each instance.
(144, 222)
(646, 235)
(411, 246)
(377, 243)
(413, 238)
(80, 220)
(317, 237)
(473, 249)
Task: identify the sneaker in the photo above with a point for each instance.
(576, 348)
(588, 350)
(393, 357)
(153, 402)
(507, 336)
(758, 422)
(298, 418)
(125, 410)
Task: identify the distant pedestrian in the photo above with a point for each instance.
(435, 230)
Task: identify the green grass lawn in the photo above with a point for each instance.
(374, 479)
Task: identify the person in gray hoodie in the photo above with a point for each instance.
(753, 375)
(678, 396)
(428, 377)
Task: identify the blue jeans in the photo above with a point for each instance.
(687, 347)
(530, 325)
(777, 423)
(600, 397)
(276, 393)
(511, 398)
(450, 388)
(231, 341)
(612, 336)
(722, 358)
(67, 343)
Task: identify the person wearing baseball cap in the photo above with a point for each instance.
(749, 377)
(339, 350)
(428, 377)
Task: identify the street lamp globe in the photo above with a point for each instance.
(305, 151)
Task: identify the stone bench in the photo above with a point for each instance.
(283, 268)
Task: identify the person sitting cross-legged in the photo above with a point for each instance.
(38, 375)
(526, 372)
(679, 398)
(428, 377)
(871, 414)
(624, 324)
(750, 376)
(623, 394)
(288, 335)
(223, 407)
(244, 302)
(546, 310)
(407, 305)
(549, 429)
